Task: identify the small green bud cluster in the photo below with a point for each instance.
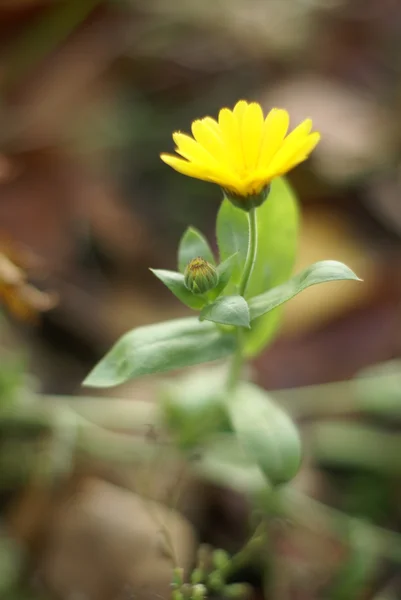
(186, 591)
(200, 276)
(210, 575)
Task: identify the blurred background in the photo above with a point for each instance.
(91, 91)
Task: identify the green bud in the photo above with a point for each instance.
(178, 577)
(215, 581)
(236, 590)
(199, 592)
(177, 595)
(200, 276)
(197, 576)
(221, 559)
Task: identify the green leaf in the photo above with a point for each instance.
(159, 348)
(277, 223)
(265, 432)
(223, 461)
(192, 245)
(320, 272)
(175, 283)
(232, 239)
(193, 406)
(227, 310)
(224, 271)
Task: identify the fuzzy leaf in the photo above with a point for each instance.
(227, 310)
(266, 433)
(175, 283)
(193, 245)
(320, 272)
(159, 348)
(224, 271)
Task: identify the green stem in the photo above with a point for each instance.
(246, 554)
(237, 359)
(251, 254)
(236, 364)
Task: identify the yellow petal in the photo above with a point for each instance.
(200, 171)
(274, 131)
(292, 143)
(183, 166)
(239, 109)
(205, 134)
(213, 124)
(230, 134)
(303, 153)
(252, 127)
(191, 150)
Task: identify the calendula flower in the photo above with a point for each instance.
(243, 151)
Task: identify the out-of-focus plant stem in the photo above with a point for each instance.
(60, 434)
(318, 517)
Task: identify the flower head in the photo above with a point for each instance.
(242, 151)
(200, 276)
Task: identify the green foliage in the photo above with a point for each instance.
(320, 272)
(12, 379)
(224, 462)
(224, 271)
(193, 245)
(161, 347)
(193, 406)
(175, 283)
(232, 239)
(378, 389)
(356, 445)
(277, 224)
(266, 433)
(227, 310)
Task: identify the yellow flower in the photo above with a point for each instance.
(242, 151)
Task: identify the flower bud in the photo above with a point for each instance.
(200, 276)
(197, 576)
(215, 581)
(199, 592)
(220, 559)
(178, 577)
